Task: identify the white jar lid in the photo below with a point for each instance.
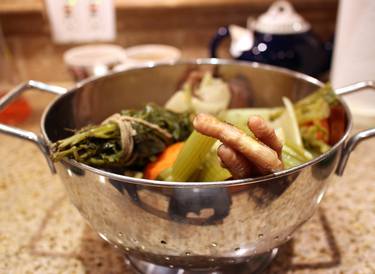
(281, 18)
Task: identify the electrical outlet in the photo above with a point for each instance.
(80, 21)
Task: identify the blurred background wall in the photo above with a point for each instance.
(186, 24)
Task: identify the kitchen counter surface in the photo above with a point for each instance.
(41, 232)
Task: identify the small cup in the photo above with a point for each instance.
(93, 60)
(143, 55)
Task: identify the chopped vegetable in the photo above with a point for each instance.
(316, 106)
(211, 95)
(288, 122)
(179, 102)
(240, 116)
(313, 113)
(315, 137)
(191, 156)
(211, 168)
(165, 160)
(293, 157)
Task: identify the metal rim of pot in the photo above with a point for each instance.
(43, 141)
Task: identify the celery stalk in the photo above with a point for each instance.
(305, 154)
(289, 160)
(293, 156)
(212, 170)
(191, 156)
(239, 117)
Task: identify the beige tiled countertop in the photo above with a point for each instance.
(41, 232)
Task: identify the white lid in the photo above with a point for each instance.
(148, 54)
(153, 53)
(281, 18)
(94, 55)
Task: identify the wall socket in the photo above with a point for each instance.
(81, 21)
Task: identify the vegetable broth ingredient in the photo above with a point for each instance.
(240, 116)
(191, 156)
(316, 106)
(212, 169)
(180, 102)
(164, 161)
(262, 156)
(288, 122)
(239, 165)
(316, 137)
(152, 129)
(201, 93)
(265, 133)
(314, 113)
(291, 159)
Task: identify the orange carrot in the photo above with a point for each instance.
(164, 161)
(320, 135)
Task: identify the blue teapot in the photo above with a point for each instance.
(278, 37)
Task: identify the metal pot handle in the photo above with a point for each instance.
(24, 134)
(351, 144)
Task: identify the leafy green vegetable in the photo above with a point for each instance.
(177, 124)
(310, 140)
(316, 106)
(153, 129)
(310, 111)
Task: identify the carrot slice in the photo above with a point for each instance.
(164, 161)
(320, 135)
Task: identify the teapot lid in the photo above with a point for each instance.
(281, 18)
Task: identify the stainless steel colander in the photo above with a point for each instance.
(175, 227)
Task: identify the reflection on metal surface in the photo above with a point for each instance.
(184, 204)
(324, 168)
(256, 265)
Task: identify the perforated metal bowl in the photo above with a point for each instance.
(167, 227)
